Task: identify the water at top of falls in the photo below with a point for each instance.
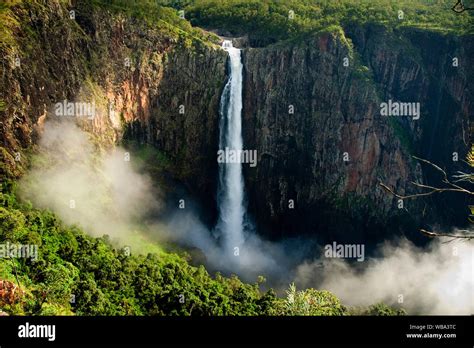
(227, 44)
(230, 193)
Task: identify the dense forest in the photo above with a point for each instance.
(81, 275)
(267, 21)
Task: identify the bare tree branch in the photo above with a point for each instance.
(452, 188)
(456, 236)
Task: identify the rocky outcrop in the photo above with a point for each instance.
(337, 117)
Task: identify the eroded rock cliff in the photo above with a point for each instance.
(323, 144)
(151, 83)
(312, 115)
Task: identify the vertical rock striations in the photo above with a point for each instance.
(152, 84)
(337, 115)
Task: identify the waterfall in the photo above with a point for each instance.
(230, 191)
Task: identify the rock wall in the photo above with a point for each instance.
(140, 77)
(337, 114)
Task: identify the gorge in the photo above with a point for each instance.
(170, 96)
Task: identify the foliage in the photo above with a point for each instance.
(467, 177)
(78, 274)
(104, 280)
(163, 17)
(379, 309)
(382, 309)
(269, 21)
(8, 23)
(311, 302)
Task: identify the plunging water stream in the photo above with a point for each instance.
(230, 192)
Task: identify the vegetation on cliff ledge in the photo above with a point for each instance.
(274, 20)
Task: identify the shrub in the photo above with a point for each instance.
(311, 302)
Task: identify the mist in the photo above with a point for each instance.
(101, 191)
(96, 189)
(437, 279)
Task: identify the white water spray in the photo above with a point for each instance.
(230, 192)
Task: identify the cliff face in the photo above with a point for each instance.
(184, 121)
(434, 70)
(323, 146)
(336, 115)
(148, 84)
